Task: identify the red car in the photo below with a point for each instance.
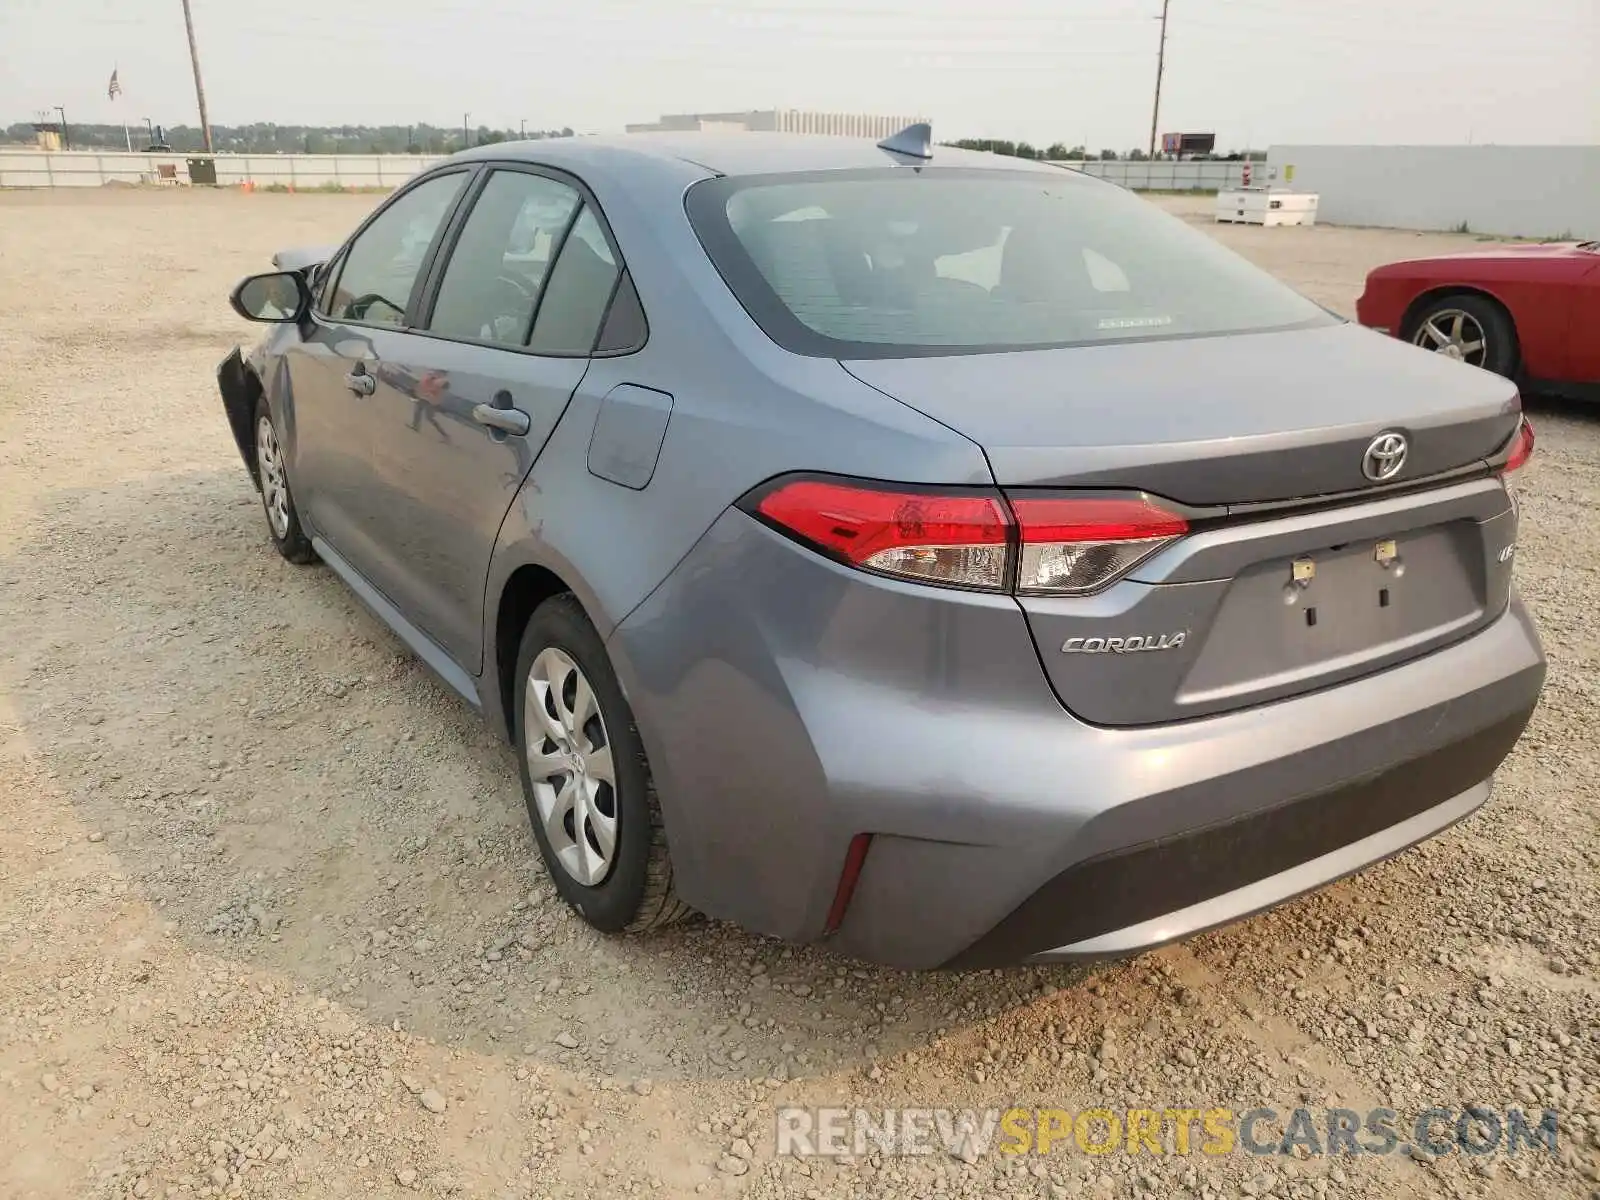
(1531, 312)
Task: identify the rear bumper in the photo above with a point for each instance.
(1224, 907)
(1138, 897)
(788, 704)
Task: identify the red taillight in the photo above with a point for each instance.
(958, 540)
(1075, 545)
(1066, 545)
(1521, 448)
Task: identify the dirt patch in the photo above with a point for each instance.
(271, 922)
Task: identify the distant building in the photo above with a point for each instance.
(779, 120)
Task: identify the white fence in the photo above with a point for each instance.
(1168, 176)
(1514, 191)
(84, 168)
(1526, 191)
(77, 168)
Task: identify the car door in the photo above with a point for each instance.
(514, 304)
(355, 324)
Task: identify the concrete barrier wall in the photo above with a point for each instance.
(1512, 191)
(75, 168)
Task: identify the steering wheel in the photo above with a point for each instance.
(520, 286)
(357, 308)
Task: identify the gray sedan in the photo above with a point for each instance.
(948, 557)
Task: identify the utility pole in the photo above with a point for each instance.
(194, 60)
(66, 140)
(522, 131)
(465, 140)
(1161, 58)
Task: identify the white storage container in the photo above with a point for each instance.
(1265, 206)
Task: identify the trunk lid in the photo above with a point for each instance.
(1208, 421)
(1299, 571)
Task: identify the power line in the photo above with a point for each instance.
(836, 26)
(1387, 17)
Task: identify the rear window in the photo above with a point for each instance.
(895, 263)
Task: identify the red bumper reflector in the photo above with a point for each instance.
(854, 858)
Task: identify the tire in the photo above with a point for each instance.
(283, 519)
(1468, 327)
(567, 779)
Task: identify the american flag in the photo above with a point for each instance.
(114, 88)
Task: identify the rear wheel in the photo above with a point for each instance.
(283, 521)
(1471, 329)
(586, 779)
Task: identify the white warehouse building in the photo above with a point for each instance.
(780, 120)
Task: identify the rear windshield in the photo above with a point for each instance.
(895, 263)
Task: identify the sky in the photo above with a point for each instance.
(1254, 72)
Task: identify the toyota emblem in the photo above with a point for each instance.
(1385, 455)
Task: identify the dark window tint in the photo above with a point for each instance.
(885, 263)
(382, 264)
(579, 289)
(491, 285)
(625, 328)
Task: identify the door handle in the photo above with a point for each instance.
(508, 420)
(359, 382)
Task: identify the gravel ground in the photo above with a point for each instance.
(271, 925)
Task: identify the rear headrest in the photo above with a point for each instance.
(791, 255)
(1037, 264)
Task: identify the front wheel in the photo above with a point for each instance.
(283, 520)
(1470, 329)
(586, 779)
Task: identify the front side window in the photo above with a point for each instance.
(327, 274)
(892, 263)
(382, 264)
(492, 283)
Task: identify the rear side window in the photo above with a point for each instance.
(383, 262)
(491, 285)
(578, 291)
(893, 263)
(625, 327)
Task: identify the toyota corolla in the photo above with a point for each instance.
(947, 557)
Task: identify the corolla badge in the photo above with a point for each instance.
(1125, 645)
(1385, 455)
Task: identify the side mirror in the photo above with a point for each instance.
(277, 297)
